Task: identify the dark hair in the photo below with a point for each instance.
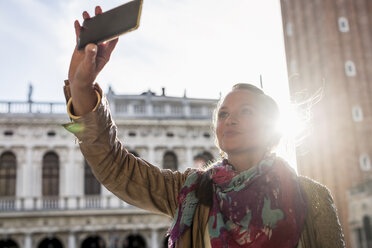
(204, 191)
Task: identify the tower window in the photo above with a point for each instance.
(293, 66)
(343, 24)
(365, 162)
(350, 69)
(357, 113)
(289, 29)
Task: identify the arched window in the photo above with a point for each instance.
(165, 242)
(134, 241)
(93, 242)
(8, 243)
(367, 230)
(50, 174)
(170, 161)
(91, 184)
(50, 243)
(202, 159)
(8, 168)
(208, 155)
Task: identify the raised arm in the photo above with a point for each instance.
(132, 179)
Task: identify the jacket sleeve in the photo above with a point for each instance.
(130, 178)
(322, 226)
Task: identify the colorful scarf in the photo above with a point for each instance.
(261, 207)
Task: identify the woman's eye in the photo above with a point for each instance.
(247, 111)
(222, 114)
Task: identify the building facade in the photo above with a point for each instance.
(329, 56)
(360, 205)
(48, 194)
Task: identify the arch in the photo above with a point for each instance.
(8, 174)
(208, 155)
(50, 174)
(165, 242)
(50, 243)
(94, 241)
(134, 241)
(91, 184)
(8, 243)
(170, 161)
(202, 160)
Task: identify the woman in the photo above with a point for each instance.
(249, 199)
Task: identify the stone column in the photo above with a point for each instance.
(186, 109)
(20, 186)
(28, 240)
(37, 160)
(154, 238)
(63, 155)
(72, 181)
(189, 157)
(28, 190)
(71, 240)
(151, 154)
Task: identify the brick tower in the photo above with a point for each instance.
(329, 48)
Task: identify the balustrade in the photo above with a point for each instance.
(13, 204)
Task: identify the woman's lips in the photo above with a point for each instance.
(230, 133)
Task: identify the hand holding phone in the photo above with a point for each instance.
(110, 24)
(85, 65)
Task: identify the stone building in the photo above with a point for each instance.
(329, 51)
(48, 194)
(360, 219)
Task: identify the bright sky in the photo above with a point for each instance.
(202, 46)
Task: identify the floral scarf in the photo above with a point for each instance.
(260, 207)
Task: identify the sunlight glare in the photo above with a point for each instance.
(293, 126)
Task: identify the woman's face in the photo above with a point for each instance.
(240, 123)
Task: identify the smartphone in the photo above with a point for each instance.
(110, 24)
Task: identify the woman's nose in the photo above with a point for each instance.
(231, 120)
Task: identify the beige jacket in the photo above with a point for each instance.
(144, 185)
